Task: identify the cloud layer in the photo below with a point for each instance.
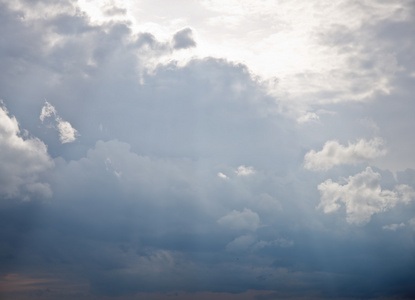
(198, 149)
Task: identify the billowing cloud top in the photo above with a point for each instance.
(207, 149)
(334, 154)
(22, 160)
(362, 195)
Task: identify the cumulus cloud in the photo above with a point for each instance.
(241, 220)
(22, 161)
(67, 134)
(333, 154)
(362, 196)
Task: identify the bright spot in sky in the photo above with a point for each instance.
(288, 45)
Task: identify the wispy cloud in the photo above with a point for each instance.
(241, 220)
(67, 134)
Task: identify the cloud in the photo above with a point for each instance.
(241, 220)
(241, 243)
(318, 47)
(112, 10)
(47, 111)
(308, 117)
(22, 161)
(267, 203)
(183, 39)
(244, 171)
(223, 176)
(250, 243)
(393, 227)
(184, 164)
(67, 134)
(281, 242)
(334, 154)
(362, 196)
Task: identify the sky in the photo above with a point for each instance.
(207, 149)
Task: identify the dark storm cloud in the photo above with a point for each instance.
(183, 177)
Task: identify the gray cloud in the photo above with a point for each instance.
(190, 177)
(183, 39)
(114, 10)
(245, 220)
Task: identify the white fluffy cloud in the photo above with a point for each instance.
(22, 160)
(362, 196)
(241, 220)
(333, 154)
(67, 134)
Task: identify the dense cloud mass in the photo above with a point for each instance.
(22, 160)
(147, 153)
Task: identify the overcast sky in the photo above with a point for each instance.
(207, 149)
